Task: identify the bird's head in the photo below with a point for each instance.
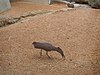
(60, 51)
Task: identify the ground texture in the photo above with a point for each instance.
(76, 31)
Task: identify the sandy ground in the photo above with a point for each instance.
(22, 7)
(77, 32)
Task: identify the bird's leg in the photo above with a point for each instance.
(41, 52)
(47, 54)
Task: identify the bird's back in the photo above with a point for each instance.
(43, 45)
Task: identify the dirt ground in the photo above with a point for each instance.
(76, 31)
(22, 7)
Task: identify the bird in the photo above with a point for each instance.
(47, 47)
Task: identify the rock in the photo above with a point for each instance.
(70, 0)
(8, 20)
(81, 1)
(94, 3)
(76, 5)
(70, 5)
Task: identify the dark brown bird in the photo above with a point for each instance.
(47, 47)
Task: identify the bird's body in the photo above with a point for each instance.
(44, 46)
(47, 47)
